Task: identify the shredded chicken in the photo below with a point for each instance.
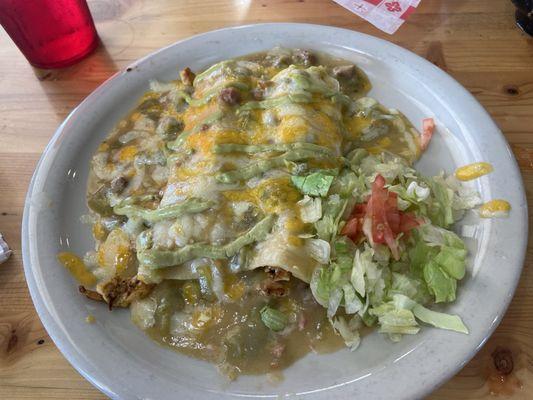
(275, 285)
(187, 76)
(120, 292)
(230, 96)
(90, 294)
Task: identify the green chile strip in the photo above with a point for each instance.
(261, 166)
(187, 207)
(136, 199)
(306, 84)
(277, 102)
(212, 68)
(260, 148)
(156, 259)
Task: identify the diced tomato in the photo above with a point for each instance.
(428, 127)
(379, 205)
(394, 220)
(359, 209)
(379, 183)
(354, 226)
(381, 213)
(351, 229)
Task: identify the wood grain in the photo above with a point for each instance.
(474, 41)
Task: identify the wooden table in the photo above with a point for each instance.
(475, 41)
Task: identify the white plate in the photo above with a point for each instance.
(125, 364)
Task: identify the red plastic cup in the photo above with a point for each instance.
(50, 33)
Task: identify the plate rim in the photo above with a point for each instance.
(70, 353)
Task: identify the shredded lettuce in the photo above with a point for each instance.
(395, 320)
(391, 169)
(439, 320)
(440, 209)
(452, 261)
(357, 276)
(465, 197)
(310, 209)
(321, 285)
(450, 198)
(348, 182)
(349, 331)
(334, 301)
(352, 303)
(417, 192)
(333, 208)
(401, 284)
(440, 284)
(439, 257)
(319, 250)
(362, 280)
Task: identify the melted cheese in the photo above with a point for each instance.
(204, 141)
(77, 268)
(473, 171)
(115, 253)
(196, 115)
(275, 195)
(494, 209)
(127, 153)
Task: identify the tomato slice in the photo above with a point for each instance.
(382, 216)
(428, 127)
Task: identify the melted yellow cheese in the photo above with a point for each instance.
(473, 171)
(204, 141)
(103, 147)
(115, 253)
(135, 116)
(292, 129)
(77, 268)
(380, 146)
(272, 195)
(495, 208)
(127, 153)
(99, 231)
(258, 132)
(316, 127)
(295, 226)
(355, 126)
(196, 115)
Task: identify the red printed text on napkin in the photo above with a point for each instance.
(387, 15)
